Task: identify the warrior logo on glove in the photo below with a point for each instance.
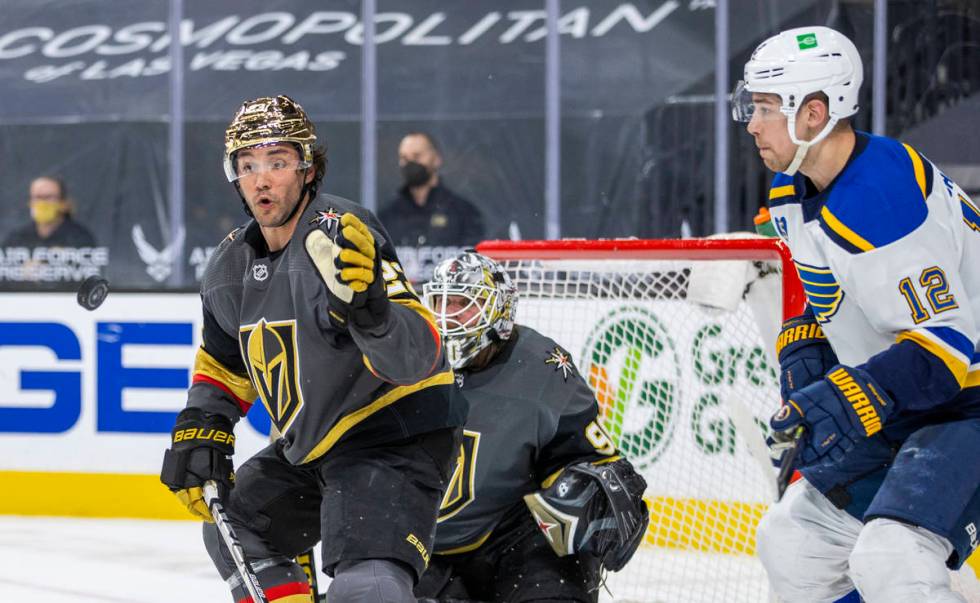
(835, 413)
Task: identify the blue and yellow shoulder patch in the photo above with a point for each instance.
(782, 190)
(971, 215)
(823, 292)
(880, 199)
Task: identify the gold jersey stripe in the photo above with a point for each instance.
(349, 421)
(972, 379)
(920, 170)
(207, 365)
(467, 547)
(846, 233)
(781, 191)
(957, 367)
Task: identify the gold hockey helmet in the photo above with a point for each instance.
(268, 120)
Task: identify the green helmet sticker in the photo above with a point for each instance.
(807, 41)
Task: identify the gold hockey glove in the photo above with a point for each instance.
(350, 266)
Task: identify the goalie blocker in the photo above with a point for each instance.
(593, 509)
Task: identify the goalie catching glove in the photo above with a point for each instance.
(597, 510)
(350, 265)
(201, 449)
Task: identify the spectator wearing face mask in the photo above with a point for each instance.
(51, 222)
(428, 221)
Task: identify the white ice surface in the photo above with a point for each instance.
(60, 560)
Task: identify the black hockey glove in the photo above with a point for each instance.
(597, 510)
(350, 266)
(804, 354)
(201, 449)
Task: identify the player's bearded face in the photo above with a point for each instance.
(768, 127)
(271, 180)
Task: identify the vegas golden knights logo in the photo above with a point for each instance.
(460, 491)
(270, 353)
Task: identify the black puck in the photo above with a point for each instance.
(93, 292)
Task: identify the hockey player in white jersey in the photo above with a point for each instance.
(881, 375)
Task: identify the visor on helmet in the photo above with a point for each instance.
(744, 109)
(238, 167)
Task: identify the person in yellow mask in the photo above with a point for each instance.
(51, 222)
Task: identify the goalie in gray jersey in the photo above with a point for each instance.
(540, 500)
(306, 308)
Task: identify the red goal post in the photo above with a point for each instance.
(668, 249)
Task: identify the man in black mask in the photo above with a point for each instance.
(427, 221)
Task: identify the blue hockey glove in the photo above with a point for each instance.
(835, 412)
(804, 354)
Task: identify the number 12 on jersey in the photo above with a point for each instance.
(933, 280)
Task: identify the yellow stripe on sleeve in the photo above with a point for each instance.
(466, 548)
(207, 365)
(348, 422)
(782, 191)
(956, 367)
(972, 379)
(920, 170)
(846, 233)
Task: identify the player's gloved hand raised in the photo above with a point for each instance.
(201, 449)
(835, 412)
(804, 354)
(350, 265)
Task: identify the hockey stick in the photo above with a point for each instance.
(787, 462)
(307, 560)
(755, 441)
(231, 541)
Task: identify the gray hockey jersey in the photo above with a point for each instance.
(268, 335)
(531, 414)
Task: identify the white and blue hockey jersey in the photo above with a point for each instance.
(889, 256)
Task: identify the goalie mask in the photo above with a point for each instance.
(794, 64)
(474, 303)
(596, 510)
(267, 121)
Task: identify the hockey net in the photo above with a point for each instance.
(675, 338)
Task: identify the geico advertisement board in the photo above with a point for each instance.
(85, 395)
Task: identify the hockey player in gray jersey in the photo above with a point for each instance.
(307, 308)
(532, 442)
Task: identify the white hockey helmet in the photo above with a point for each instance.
(794, 64)
(474, 302)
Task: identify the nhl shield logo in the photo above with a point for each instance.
(260, 272)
